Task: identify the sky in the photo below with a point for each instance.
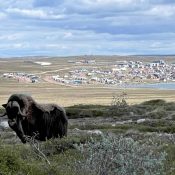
(86, 27)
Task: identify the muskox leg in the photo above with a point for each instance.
(45, 127)
(62, 124)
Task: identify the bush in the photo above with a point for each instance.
(85, 113)
(9, 162)
(156, 114)
(82, 111)
(156, 102)
(170, 106)
(120, 156)
(170, 162)
(25, 159)
(2, 110)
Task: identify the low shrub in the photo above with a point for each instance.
(170, 160)
(85, 113)
(156, 102)
(9, 161)
(120, 156)
(82, 111)
(2, 110)
(170, 106)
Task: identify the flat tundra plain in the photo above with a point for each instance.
(46, 91)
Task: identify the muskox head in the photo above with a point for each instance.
(15, 118)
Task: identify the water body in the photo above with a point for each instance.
(162, 86)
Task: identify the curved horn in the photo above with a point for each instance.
(16, 104)
(21, 113)
(12, 104)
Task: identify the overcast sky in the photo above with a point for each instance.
(85, 27)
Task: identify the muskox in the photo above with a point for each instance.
(28, 118)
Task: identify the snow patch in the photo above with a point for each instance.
(43, 63)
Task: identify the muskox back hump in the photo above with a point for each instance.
(22, 99)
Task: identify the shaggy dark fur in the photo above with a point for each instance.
(27, 118)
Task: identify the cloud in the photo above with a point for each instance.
(2, 15)
(46, 3)
(52, 27)
(10, 37)
(162, 10)
(99, 6)
(16, 4)
(35, 13)
(68, 34)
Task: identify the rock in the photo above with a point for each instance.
(141, 120)
(76, 129)
(123, 122)
(4, 124)
(97, 132)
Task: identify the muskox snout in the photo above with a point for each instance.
(16, 126)
(23, 140)
(11, 123)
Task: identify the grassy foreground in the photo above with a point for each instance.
(133, 139)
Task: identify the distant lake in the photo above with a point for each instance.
(163, 86)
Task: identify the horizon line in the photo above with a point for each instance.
(63, 56)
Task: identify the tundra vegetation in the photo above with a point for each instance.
(102, 140)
